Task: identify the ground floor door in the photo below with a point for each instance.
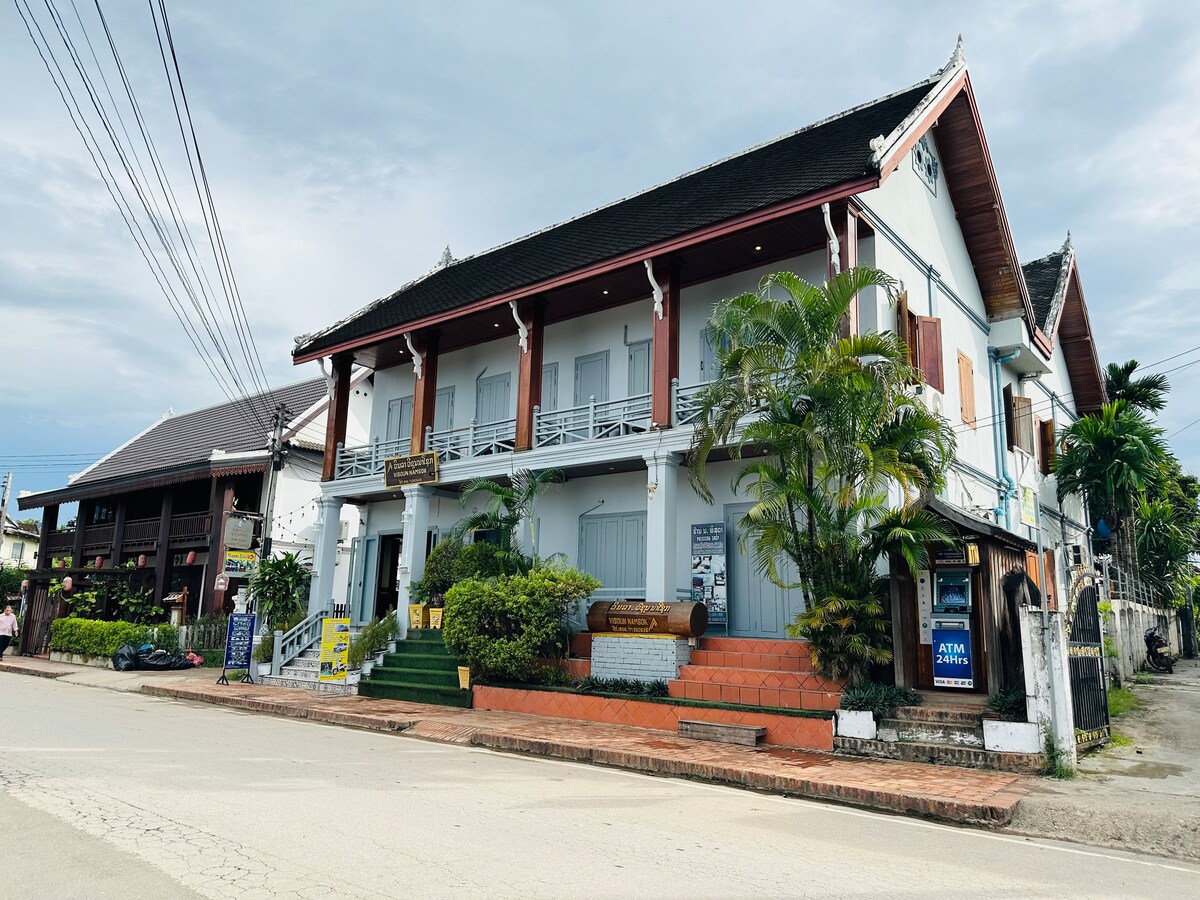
(758, 608)
(364, 580)
(386, 589)
(613, 548)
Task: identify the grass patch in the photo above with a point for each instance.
(1121, 702)
(1116, 739)
(1143, 678)
(1056, 767)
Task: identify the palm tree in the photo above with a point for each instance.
(838, 426)
(1148, 393)
(1164, 544)
(508, 506)
(1110, 458)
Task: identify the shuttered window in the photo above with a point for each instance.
(923, 337)
(1046, 450)
(966, 388)
(1018, 421)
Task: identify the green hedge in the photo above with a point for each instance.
(94, 638)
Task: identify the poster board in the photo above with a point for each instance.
(335, 649)
(240, 562)
(709, 573)
(239, 645)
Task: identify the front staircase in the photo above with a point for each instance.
(752, 672)
(421, 670)
(301, 674)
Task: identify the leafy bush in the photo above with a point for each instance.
(280, 589)
(94, 638)
(1010, 702)
(501, 626)
(478, 560)
(439, 572)
(628, 686)
(879, 699)
(264, 651)
(366, 643)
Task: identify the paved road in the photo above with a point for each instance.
(104, 794)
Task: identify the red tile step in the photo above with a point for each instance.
(755, 672)
(743, 695)
(755, 645)
(759, 678)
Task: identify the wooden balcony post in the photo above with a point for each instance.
(80, 525)
(162, 547)
(49, 527)
(666, 344)
(529, 373)
(118, 538)
(211, 600)
(335, 418)
(425, 393)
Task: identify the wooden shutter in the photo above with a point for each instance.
(1034, 571)
(1018, 421)
(966, 388)
(1046, 447)
(929, 351)
(1051, 583)
(904, 326)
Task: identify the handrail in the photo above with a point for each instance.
(290, 645)
(368, 459)
(471, 440)
(596, 419)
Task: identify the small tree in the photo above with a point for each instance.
(508, 506)
(279, 586)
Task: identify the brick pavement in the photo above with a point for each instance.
(941, 792)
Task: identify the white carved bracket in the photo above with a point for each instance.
(835, 247)
(522, 331)
(658, 291)
(418, 358)
(327, 376)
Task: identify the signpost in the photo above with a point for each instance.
(418, 468)
(952, 658)
(335, 649)
(239, 644)
(708, 571)
(239, 532)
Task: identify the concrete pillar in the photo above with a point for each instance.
(662, 531)
(1048, 679)
(412, 551)
(325, 552)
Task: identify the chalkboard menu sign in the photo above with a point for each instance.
(239, 644)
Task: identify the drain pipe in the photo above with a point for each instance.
(1010, 486)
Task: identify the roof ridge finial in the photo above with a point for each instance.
(447, 258)
(959, 56)
(1067, 245)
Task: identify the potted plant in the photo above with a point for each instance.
(356, 656)
(436, 607)
(392, 625)
(264, 653)
(864, 704)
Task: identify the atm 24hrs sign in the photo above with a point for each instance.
(952, 658)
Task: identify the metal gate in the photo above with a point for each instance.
(39, 613)
(1089, 693)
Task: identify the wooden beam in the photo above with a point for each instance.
(162, 551)
(529, 372)
(212, 600)
(425, 392)
(49, 527)
(665, 367)
(335, 420)
(80, 521)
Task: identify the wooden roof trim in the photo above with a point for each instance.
(633, 257)
(1079, 347)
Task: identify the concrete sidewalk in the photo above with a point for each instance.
(965, 796)
(94, 676)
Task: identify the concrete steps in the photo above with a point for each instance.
(421, 670)
(943, 754)
(754, 672)
(954, 727)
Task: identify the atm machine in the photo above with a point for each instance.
(953, 665)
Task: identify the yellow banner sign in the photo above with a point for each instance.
(335, 649)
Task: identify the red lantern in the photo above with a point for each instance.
(191, 557)
(99, 562)
(141, 560)
(68, 586)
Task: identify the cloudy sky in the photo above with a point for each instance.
(347, 143)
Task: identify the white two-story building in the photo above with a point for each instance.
(581, 348)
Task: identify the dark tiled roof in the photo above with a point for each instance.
(188, 439)
(829, 153)
(1041, 277)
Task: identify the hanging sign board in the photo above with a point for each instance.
(708, 570)
(239, 533)
(335, 649)
(952, 658)
(1029, 514)
(240, 562)
(418, 468)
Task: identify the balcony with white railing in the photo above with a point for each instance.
(355, 461)
(685, 402)
(592, 421)
(472, 440)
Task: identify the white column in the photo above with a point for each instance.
(412, 551)
(325, 551)
(662, 533)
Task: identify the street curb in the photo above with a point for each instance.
(996, 812)
(27, 670)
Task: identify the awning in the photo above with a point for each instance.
(977, 526)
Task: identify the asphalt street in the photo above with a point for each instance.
(106, 794)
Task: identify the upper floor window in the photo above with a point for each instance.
(923, 337)
(925, 163)
(18, 551)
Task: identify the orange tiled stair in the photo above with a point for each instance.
(754, 672)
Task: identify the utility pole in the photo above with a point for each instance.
(273, 478)
(4, 499)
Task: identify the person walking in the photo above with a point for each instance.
(8, 629)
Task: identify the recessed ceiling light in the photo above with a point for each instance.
(757, 247)
(495, 324)
(606, 292)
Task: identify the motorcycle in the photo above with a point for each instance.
(1158, 651)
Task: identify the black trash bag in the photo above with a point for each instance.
(162, 660)
(125, 659)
